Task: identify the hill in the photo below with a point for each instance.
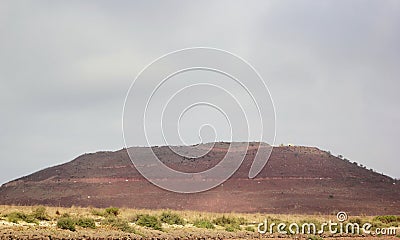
(296, 179)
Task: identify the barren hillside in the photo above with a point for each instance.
(295, 180)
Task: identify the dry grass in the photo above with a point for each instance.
(189, 216)
(123, 222)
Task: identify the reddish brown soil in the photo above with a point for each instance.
(301, 180)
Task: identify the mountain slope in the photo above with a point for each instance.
(295, 180)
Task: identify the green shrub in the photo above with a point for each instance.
(118, 224)
(112, 211)
(40, 214)
(15, 217)
(356, 220)
(150, 221)
(377, 224)
(172, 218)
(31, 219)
(86, 223)
(225, 221)
(66, 223)
(203, 223)
(387, 219)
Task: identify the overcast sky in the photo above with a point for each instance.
(332, 68)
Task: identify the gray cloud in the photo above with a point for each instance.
(65, 67)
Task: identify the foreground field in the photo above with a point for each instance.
(38, 222)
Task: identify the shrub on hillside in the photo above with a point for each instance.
(203, 223)
(40, 214)
(86, 223)
(118, 224)
(16, 217)
(387, 219)
(112, 211)
(172, 218)
(150, 221)
(66, 223)
(224, 221)
(231, 224)
(356, 220)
